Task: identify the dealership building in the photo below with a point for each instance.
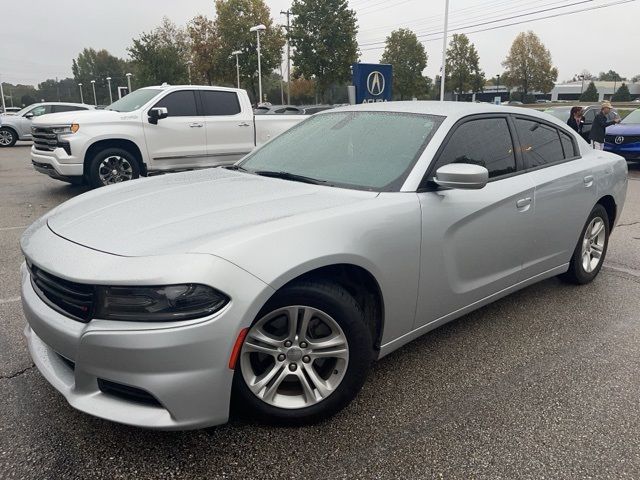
(561, 91)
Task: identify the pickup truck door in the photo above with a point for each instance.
(178, 141)
(230, 130)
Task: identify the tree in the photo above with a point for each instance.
(622, 94)
(463, 66)
(65, 90)
(635, 79)
(584, 75)
(590, 94)
(323, 35)
(204, 46)
(161, 55)
(528, 65)
(303, 90)
(409, 59)
(235, 18)
(97, 65)
(610, 76)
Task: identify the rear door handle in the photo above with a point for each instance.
(588, 181)
(244, 124)
(195, 125)
(523, 204)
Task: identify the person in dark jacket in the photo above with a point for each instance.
(575, 119)
(600, 124)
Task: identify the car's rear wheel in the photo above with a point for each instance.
(113, 165)
(591, 249)
(8, 137)
(306, 356)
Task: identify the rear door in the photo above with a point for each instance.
(178, 141)
(565, 192)
(229, 130)
(474, 241)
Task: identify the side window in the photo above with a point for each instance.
(66, 108)
(590, 116)
(540, 143)
(40, 110)
(567, 145)
(219, 103)
(486, 142)
(179, 104)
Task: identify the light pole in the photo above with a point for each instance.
(189, 63)
(81, 97)
(288, 14)
(498, 87)
(128, 75)
(581, 77)
(258, 29)
(236, 53)
(95, 99)
(110, 96)
(4, 107)
(444, 49)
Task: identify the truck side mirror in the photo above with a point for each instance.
(157, 113)
(29, 115)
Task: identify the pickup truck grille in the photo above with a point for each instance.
(626, 139)
(74, 300)
(44, 138)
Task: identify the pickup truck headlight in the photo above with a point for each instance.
(66, 129)
(157, 304)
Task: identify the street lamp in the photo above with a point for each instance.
(81, 97)
(128, 75)
(236, 53)
(95, 100)
(189, 63)
(258, 29)
(498, 87)
(444, 49)
(110, 96)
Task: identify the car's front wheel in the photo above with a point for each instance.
(8, 137)
(306, 356)
(112, 165)
(591, 249)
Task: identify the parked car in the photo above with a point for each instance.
(10, 110)
(154, 129)
(589, 114)
(624, 138)
(18, 126)
(283, 276)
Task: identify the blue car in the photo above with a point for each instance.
(624, 138)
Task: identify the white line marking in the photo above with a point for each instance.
(9, 300)
(21, 227)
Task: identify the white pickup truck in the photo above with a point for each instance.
(154, 129)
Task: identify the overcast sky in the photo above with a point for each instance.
(42, 37)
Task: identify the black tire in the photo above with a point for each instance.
(9, 134)
(340, 305)
(94, 165)
(577, 273)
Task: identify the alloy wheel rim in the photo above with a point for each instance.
(593, 244)
(294, 357)
(115, 169)
(5, 137)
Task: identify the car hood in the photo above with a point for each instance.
(190, 212)
(80, 116)
(624, 129)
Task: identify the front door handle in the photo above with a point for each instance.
(588, 181)
(523, 204)
(195, 125)
(244, 124)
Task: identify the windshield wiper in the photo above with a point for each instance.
(290, 176)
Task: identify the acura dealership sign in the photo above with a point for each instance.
(373, 82)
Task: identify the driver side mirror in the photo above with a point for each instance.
(157, 113)
(466, 176)
(29, 115)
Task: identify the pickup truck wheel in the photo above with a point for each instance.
(8, 137)
(113, 165)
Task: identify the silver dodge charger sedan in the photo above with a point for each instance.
(273, 284)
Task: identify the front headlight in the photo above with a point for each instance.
(157, 304)
(66, 129)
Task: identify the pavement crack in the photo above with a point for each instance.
(18, 373)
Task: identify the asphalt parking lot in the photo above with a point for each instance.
(542, 384)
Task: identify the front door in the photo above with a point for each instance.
(474, 241)
(178, 141)
(24, 122)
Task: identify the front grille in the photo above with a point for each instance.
(44, 138)
(626, 139)
(72, 299)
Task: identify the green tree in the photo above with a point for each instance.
(635, 79)
(204, 46)
(610, 76)
(323, 36)
(97, 65)
(161, 55)
(235, 18)
(528, 65)
(463, 66)
(409, 59)
(590, 94)
(622, 94)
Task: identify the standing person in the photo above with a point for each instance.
(575, 119)
(600, 124)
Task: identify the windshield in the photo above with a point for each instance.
(24, 110)
(134, 100)
(363, 150)
(633, 117)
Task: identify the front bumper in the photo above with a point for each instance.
(629, 152)
(182, 365)
(57, 164)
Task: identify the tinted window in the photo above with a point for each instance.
(40, 110)
(220, 103)
(66, 108)
(540, 143)
(484, 142)
(179, 104)
(567, 145)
